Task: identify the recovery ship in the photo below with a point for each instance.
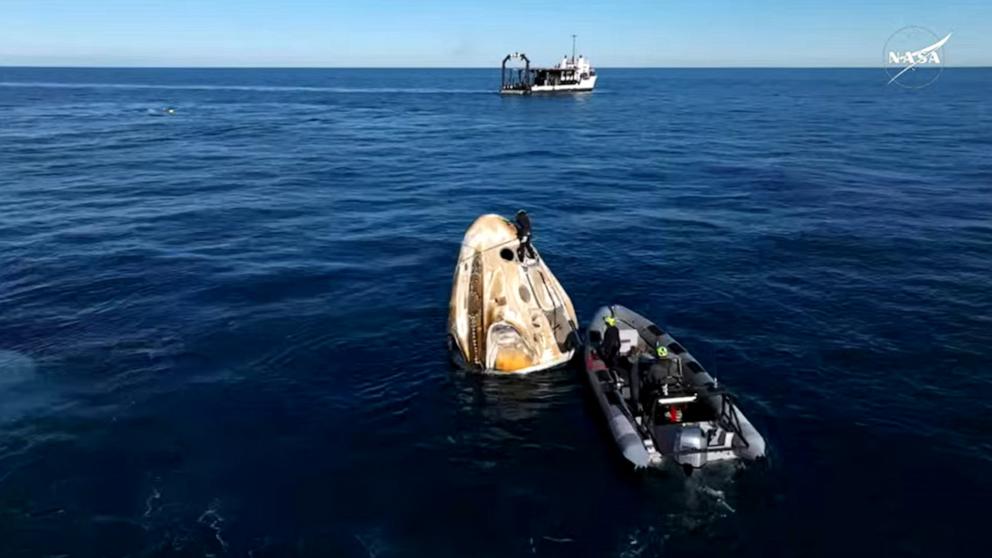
(571, 75)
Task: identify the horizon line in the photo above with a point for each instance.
(181, 67)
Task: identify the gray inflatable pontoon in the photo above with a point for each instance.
(664, 408)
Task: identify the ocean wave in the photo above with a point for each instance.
(252, 88)
(15, 368)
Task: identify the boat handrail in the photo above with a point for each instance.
(729, 416)
(677, 399)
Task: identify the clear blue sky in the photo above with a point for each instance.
(479, 33)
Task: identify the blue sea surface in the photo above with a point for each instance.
(222, 331)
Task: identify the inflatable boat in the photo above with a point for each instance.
(660, 404)
(508, 313)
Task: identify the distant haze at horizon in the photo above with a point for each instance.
(448, 34)
(428, 68)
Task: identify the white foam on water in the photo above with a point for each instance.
(151, 502)
(373, 541)
(639, 542)
(710, 483)
(718, 496)
(215, 522)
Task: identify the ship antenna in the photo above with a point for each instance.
(573, 48)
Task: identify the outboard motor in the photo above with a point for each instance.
(691, 439)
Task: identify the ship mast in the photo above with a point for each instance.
(573, 48)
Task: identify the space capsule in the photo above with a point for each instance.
(508, 313)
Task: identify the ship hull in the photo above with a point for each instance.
(584, 85)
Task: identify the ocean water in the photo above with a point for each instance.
(222, 330)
